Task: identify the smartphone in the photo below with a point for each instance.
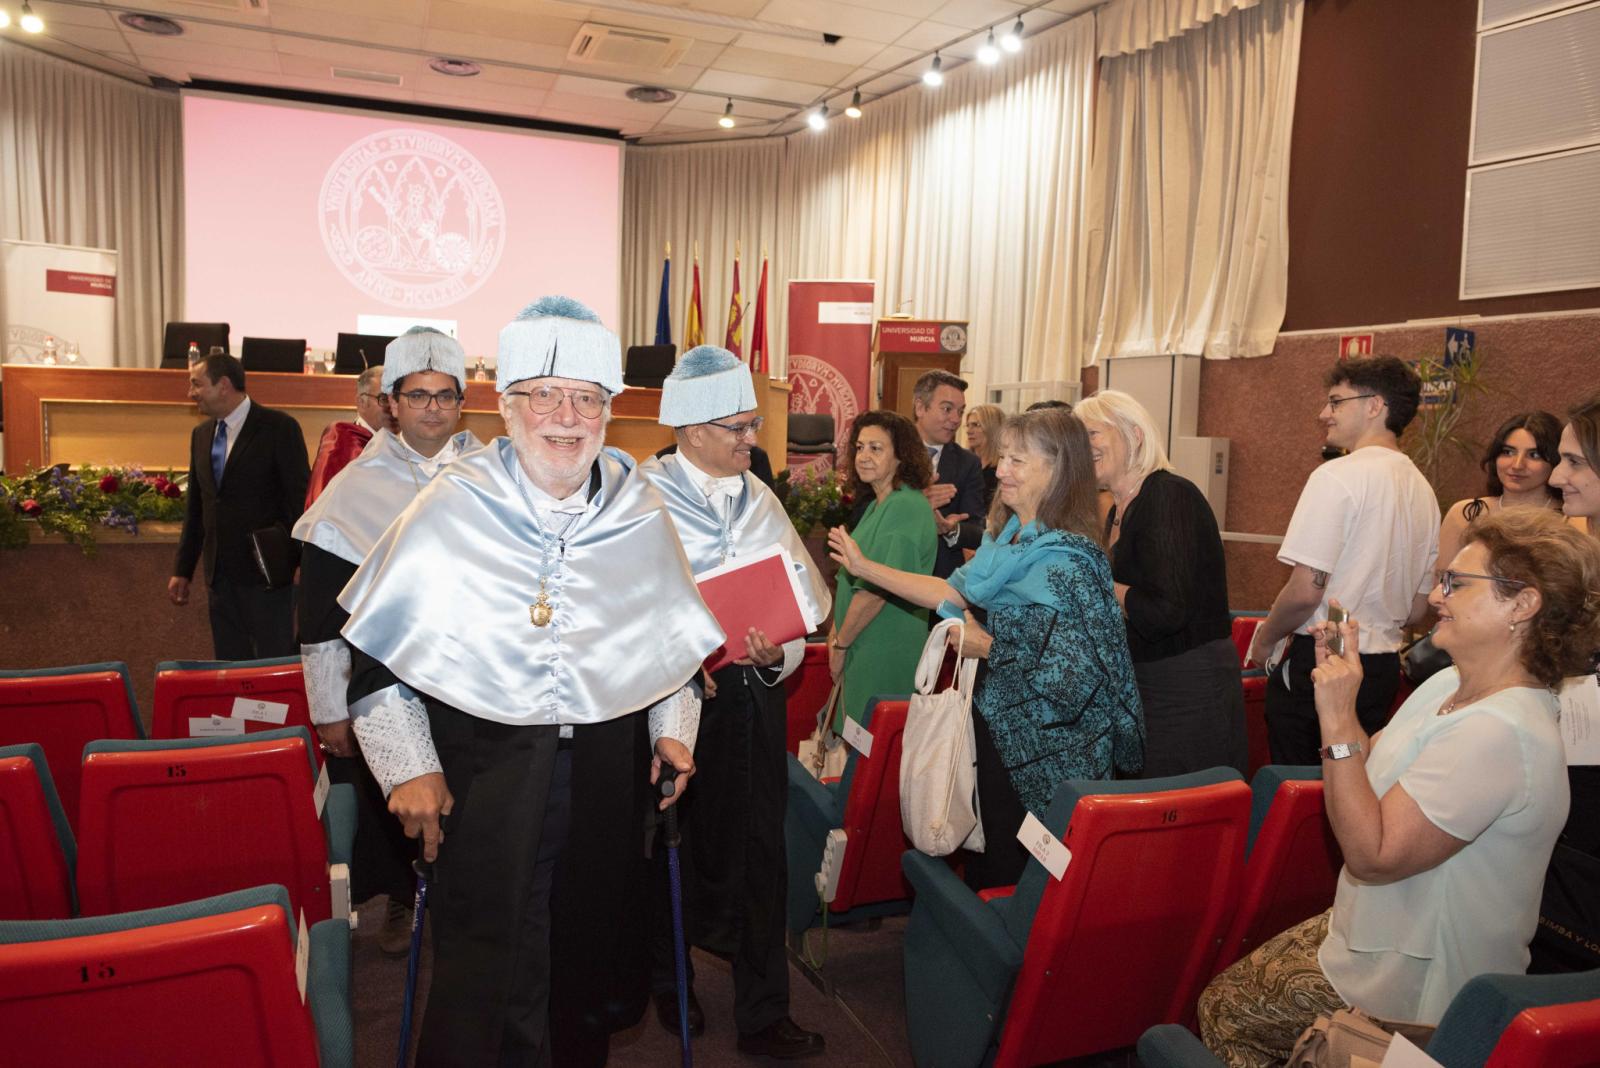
(1335, 641)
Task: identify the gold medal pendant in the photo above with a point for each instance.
(540, 612)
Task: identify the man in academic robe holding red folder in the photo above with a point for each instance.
(734, 874)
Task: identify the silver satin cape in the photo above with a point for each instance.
(757, 521)
(358, 504)
(442, 599)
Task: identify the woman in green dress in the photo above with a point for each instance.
(877, 637)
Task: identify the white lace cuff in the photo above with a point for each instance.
(327, 670)
(794, 652)
(392, 727)
(676, 716)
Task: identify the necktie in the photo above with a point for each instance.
(219, 453)
(933, 452)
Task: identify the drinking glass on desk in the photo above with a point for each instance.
(73, 356)
(327, 361)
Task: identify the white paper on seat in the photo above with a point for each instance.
(273, 712)
(214, 727)
(319, 793)
(1403, 1053)
(302, 956)
(1580, 719)
(858, 736)
(1046, 848)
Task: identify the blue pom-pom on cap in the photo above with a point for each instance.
(705, 360)
(562, 307)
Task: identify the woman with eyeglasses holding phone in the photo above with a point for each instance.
(1447, 817)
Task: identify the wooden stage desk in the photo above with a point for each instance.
(119, 416)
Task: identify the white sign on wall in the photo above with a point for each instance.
(61, 292)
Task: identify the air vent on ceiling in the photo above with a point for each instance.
(629, 48)
(378, 76)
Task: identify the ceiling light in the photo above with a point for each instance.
(29, 21)
(854, 110)
(932, 76)
(5, 18)
(818, 119)
(1012, 41)
(151, 24)
(454, 68)
(651, 94)
(726, 122)
(988, 54)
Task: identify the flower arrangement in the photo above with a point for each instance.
(813, 500)
(73, 503)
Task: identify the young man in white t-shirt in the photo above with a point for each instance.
(1365, 531)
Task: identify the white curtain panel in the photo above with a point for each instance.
(88, 159)
(965, 203)
(1188, 250)
(1128, 26)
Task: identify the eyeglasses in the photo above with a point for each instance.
(740, 430)
(374, 396)
(1451, 579)
(448, 400)
(1334, 402)
(546, 399)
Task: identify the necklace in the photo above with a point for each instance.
(1459, 702)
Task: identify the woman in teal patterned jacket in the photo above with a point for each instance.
(1058, 699)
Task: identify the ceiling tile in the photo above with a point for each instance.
(56, 15)
(97, 38)
(745, 9)
(731, 84)
(516, 25)
(917, 9)
(973, 14)
(692, 30)
(345, 56)
(317, 66)
(849, 51)
(478, 46)
(847, 20)
(348, 27)
(215, 57)
(410, 12)
(573, 84)
(527, 79)
(712, 106)
(926, 36)
(772, 64)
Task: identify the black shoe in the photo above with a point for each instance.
(784, 1040)
(667, 1013)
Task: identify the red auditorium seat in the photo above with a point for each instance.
(36, 847)
(1293, 864)
(198, 689)
(804, 694)
(1084, 964)
(164, 822)
(63, 709)
(866, 803)
(1244, 629)
(1551, 1036)
(205, 983)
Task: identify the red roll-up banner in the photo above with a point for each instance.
(830, 354)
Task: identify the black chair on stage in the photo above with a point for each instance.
(356, 352)
(285, 354)
(175, 342)
(648, 365)
(811, 434)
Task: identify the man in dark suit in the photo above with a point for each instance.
(938, 402)
(247, 472)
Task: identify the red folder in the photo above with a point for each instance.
(761, 591)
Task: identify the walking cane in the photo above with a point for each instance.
(679, 957)
(424, 871)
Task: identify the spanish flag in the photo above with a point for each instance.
(758, 329)
(733, 339)
(693, 332)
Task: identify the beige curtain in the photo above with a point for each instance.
(1188, 247)
(88, 159)
(1128, 26)
(962, 203)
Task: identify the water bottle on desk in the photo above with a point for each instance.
(49, 354)
(311, 361)
(194, 353)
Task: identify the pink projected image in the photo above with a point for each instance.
(298, 220)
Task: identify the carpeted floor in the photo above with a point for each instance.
(864, 1025)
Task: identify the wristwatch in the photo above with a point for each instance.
(1340, 750)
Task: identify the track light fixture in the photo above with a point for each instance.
(1012, 41)
(854, 110)
(726, 122)
(29, 21)
(932, 77)
(818, 119)
(988, 53)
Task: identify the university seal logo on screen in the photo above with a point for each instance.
(412, 219)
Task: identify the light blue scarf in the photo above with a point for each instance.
(1010, 570)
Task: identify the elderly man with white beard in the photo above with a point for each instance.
(506, 642)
